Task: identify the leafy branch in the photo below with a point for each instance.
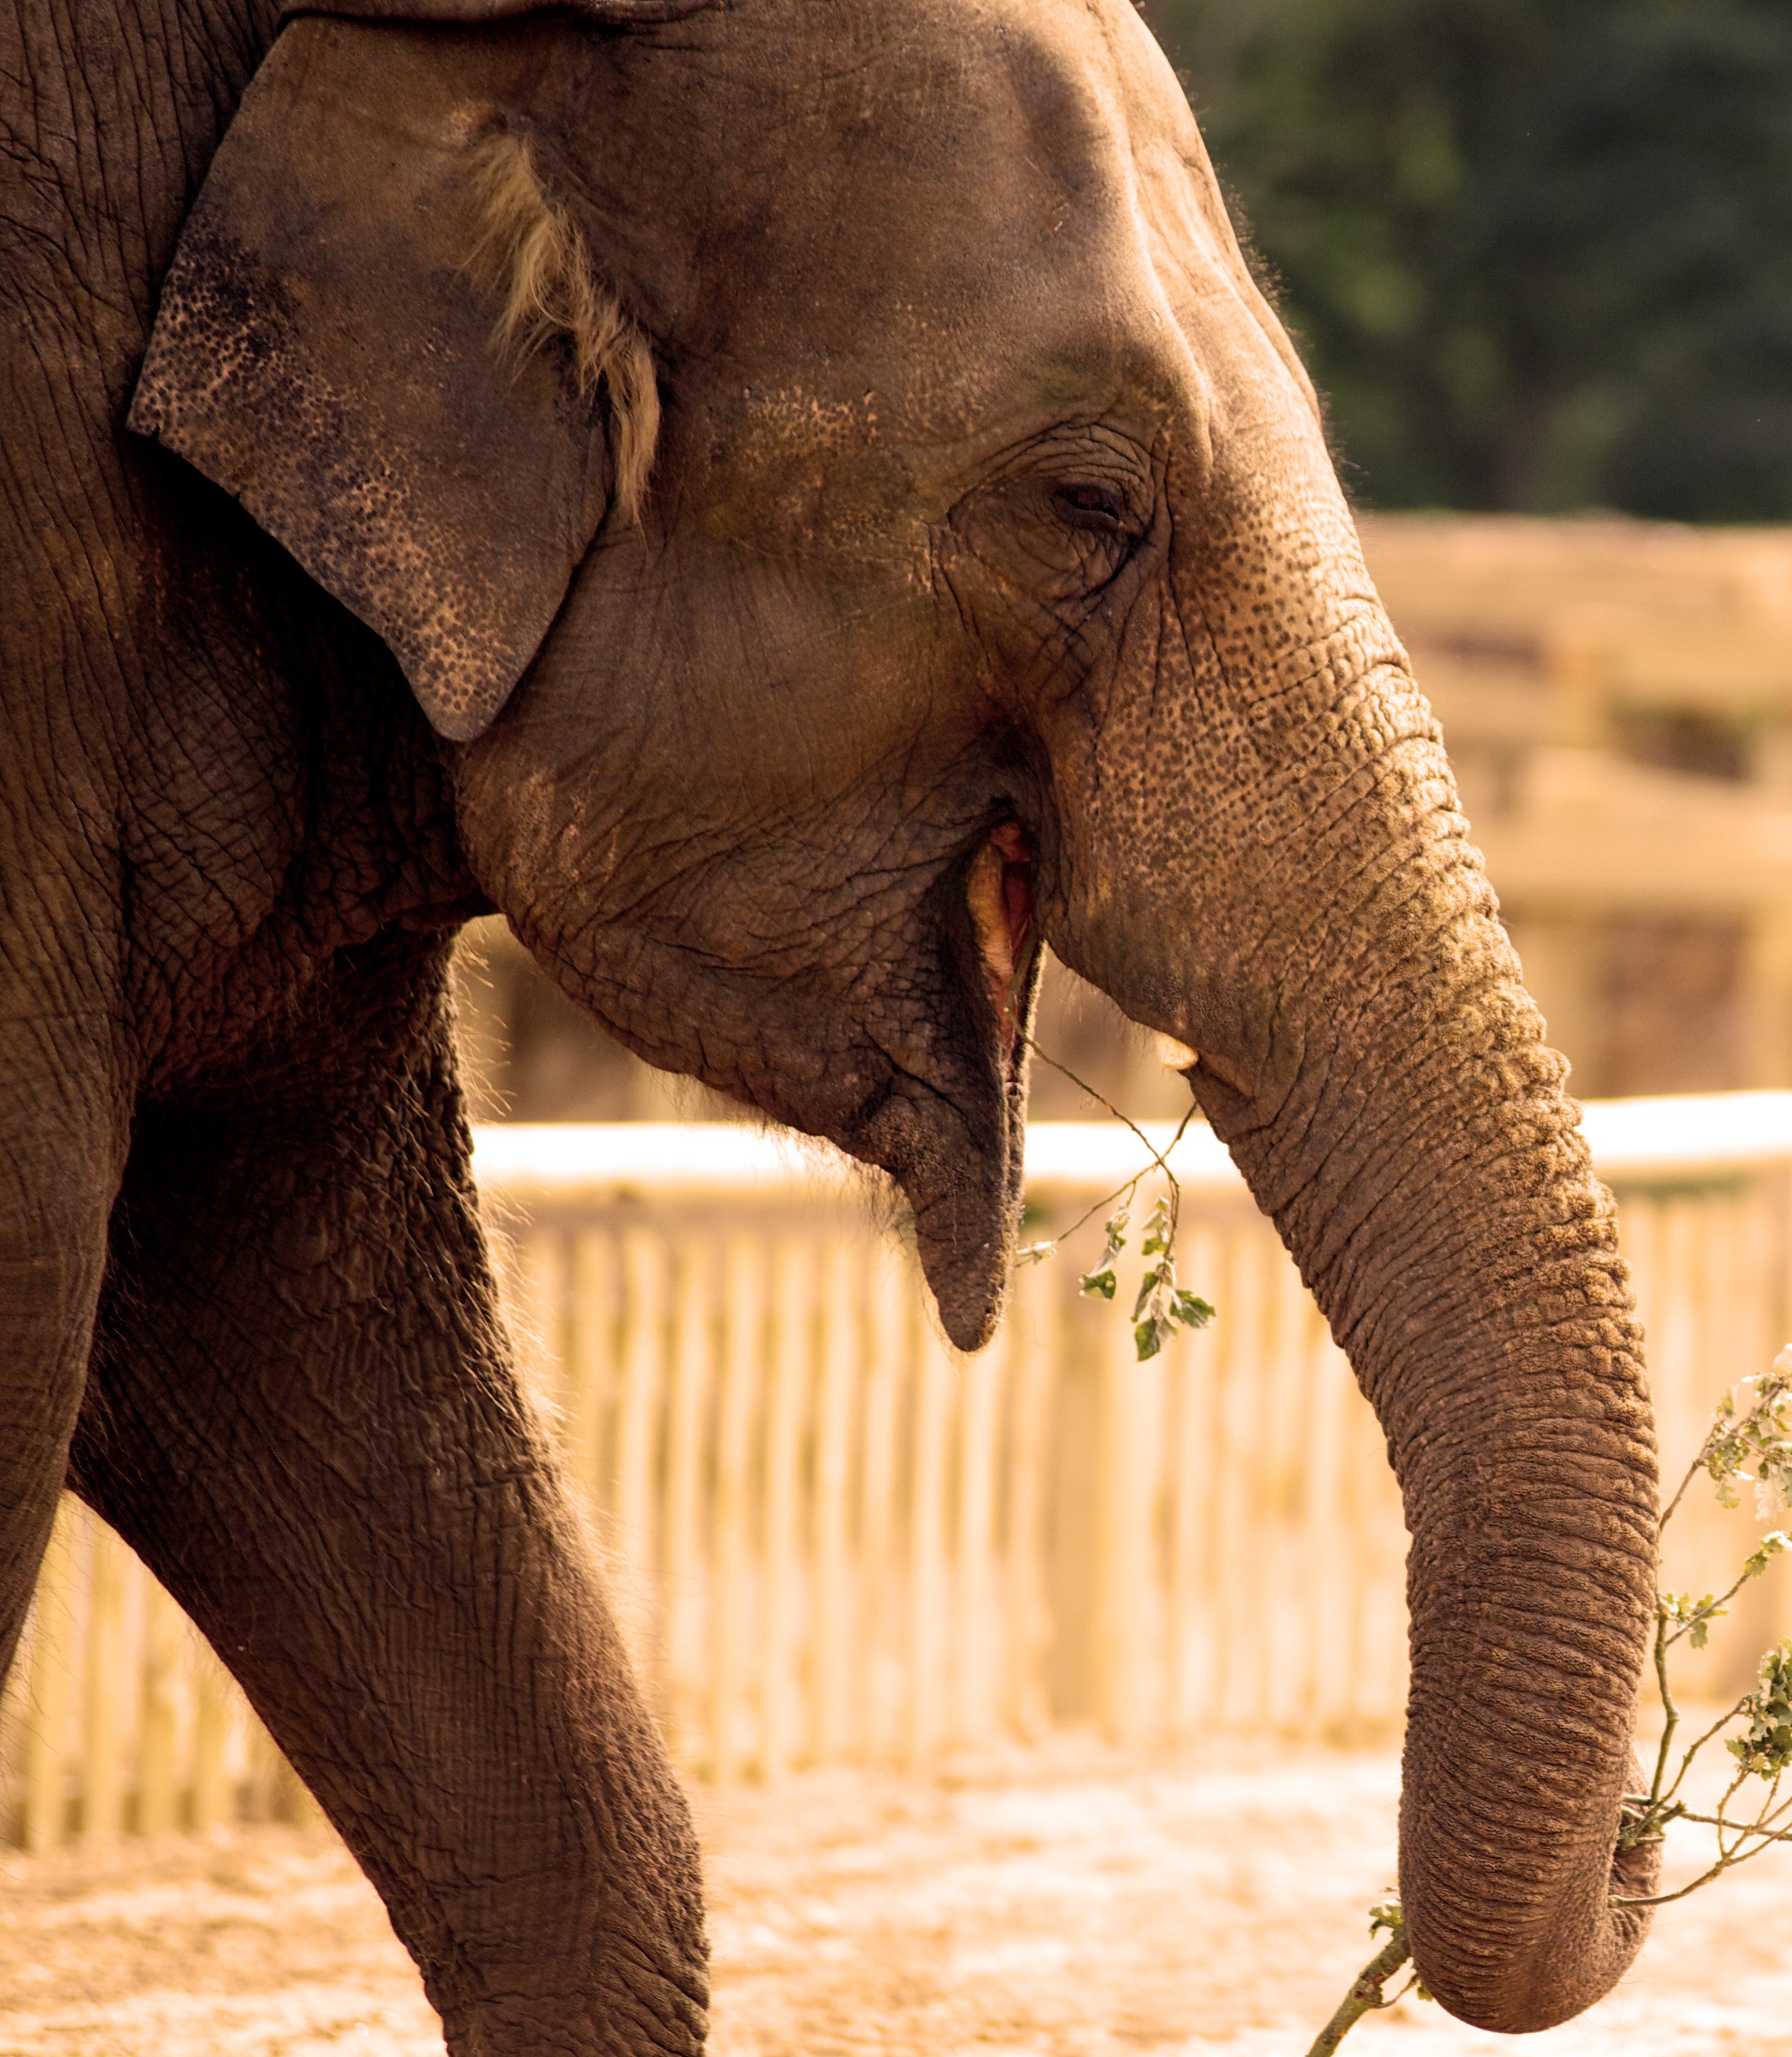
(1162, 1306)
(1752, 1425)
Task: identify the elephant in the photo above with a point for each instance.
(800, 506)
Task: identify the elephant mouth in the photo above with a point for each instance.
(957, 1149)
(966, 1194)
(998, 890)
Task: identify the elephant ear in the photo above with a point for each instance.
(339, 345)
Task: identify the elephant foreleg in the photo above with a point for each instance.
(303, 1416)
(60, 1156)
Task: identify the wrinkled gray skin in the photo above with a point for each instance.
(992, 557)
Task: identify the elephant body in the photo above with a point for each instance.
(792, 506)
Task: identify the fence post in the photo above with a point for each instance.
(157, 1772)
(744, 1307)
(46, 1742)
(1331, 1391)
(102, 1812)
(1034, 1342)
(830, 1650)
(643, 1350)
(890, 1320)
(976, 1614)
(928, 1595)
(1285, 1450)
(1126, 1511)
(1237, 1528)
(541, 1277)
(215, 1701)
(793, 1308)
(687, 1423)
(591, 1359)
(1191, 1627)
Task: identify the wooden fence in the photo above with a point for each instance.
(829, 1537)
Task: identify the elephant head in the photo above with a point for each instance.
(829, 475)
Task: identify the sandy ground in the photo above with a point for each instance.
(1071, 1903)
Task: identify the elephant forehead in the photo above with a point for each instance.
(978, 195)
(930, 205)
(897, 422)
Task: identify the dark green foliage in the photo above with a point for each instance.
(1538, 252)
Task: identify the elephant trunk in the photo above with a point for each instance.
(1265, 861)
(1429, 1179)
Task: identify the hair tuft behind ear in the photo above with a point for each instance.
(553, 294)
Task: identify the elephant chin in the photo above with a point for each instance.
(964, 1233)
(964, 1190)
(956, 1148)
(962, 1172)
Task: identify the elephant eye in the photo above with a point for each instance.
(1090, 507)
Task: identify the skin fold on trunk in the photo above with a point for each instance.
(1271, 868)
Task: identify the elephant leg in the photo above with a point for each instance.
(303, 1418)
(60, 1159)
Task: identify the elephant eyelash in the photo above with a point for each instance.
(553, 294)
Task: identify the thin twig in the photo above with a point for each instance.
(1710, 1609)
(1670, 1713)
(1733, 1838)
(1693, 1749)
(1693, 1470)
(1752, 1832)
(1727, 1862)
(1158, 1157)
(1366, 1993)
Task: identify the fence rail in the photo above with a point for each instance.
(830, 1537)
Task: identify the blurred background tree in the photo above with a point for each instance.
(1538, 253)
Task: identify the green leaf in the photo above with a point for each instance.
(1035, 1253)
(1766, 1748)
(1098, 1284)
(1148, 1285)
(1148, 1337)
(1192, 1313)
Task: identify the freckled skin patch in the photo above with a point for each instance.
(989, 519)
